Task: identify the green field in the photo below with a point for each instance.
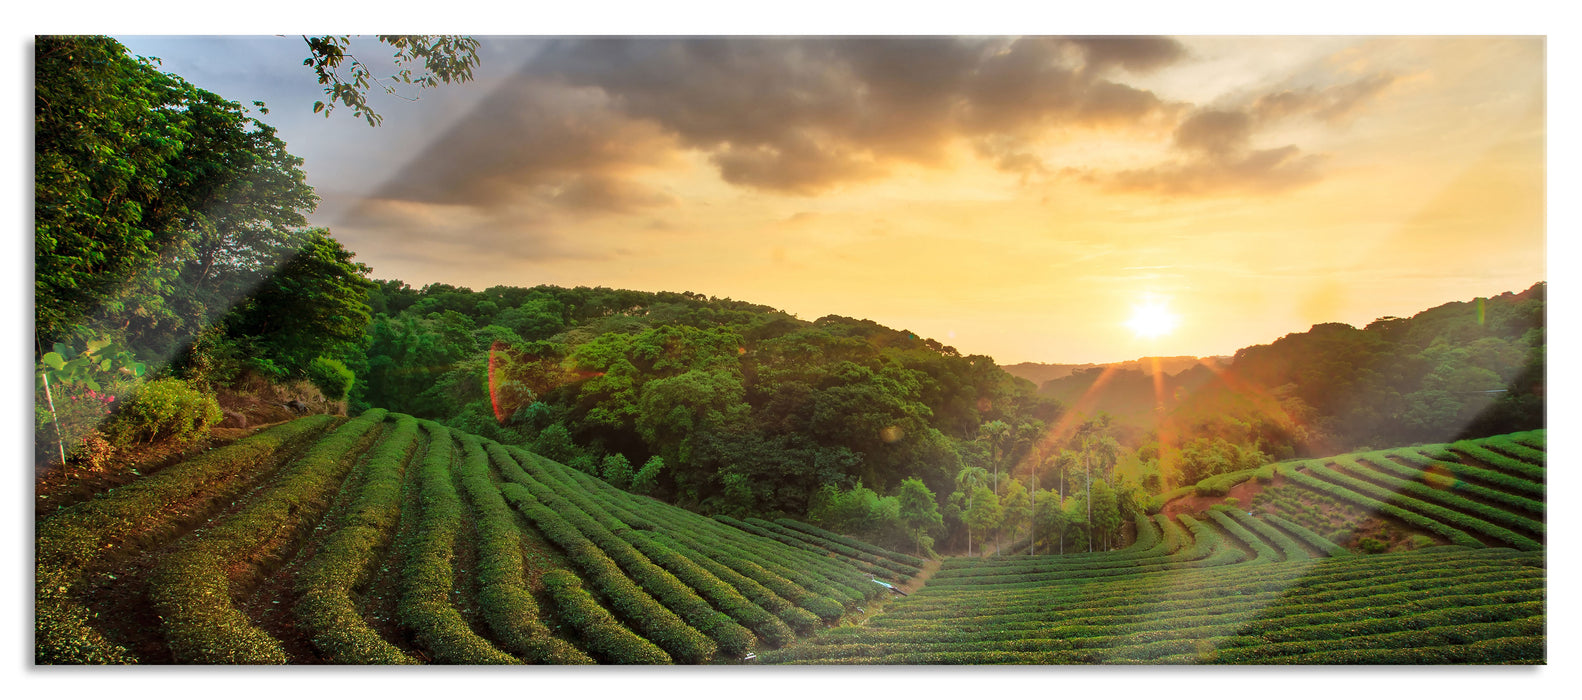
(386, 540)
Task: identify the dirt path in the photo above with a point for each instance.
(917, 582)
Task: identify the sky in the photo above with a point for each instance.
(1015, 197)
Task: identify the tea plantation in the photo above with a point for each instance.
(383, 539)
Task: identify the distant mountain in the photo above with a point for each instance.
(1459, 370)
(1039, 373)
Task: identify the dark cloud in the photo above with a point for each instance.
(1215, 133)
(1264, 171)
(1331, 104)
(805, 115)
(1138, 54)
(532, 139)
(576, 130)
(1218, 158)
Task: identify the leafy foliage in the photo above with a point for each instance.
(444, 59)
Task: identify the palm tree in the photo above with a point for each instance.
(1097, 446)
(967, 481)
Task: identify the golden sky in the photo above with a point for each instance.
(1010, 197)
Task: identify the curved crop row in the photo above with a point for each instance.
(775, 566)
(1288, 547)
(652, 619)
(854, 543)
(1409, 517)
(428, 577)
(1516, 450)
(192, 589)
(1428, 494)
(1428, 511)
(1312, 539)
(1509, 465)
(598, 629)
(1262, 552)
(1420, 458)
(1441, 481)
(134, 517)
(325, 608)
(502, 591)
(624, 507)
(718, 594)
(794, 562)
(664, 586)
(864, 561)
(1277, 613)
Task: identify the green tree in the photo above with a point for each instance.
(1106, 515)
(968, 481)
(919, 512)
(1075, 510)
(616, 471)
(313, 305)
(156, 204)
(1018, 509)
(985, 514)
(1050, 517)
(998, 433)
(647, 478)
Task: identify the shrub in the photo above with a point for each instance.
(164, 409)
(331, 377)
(617, 471)
(1370, 545)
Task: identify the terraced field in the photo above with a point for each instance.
(387, 540)
(1230, 586)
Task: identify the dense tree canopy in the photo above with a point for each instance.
(163, 209)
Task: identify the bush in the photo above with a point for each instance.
(331, 377)
(1370, 545)
(164, 409)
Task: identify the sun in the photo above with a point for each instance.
(1152, 319)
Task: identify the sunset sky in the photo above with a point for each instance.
(1019, 198)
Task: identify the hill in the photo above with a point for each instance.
(1040, 373)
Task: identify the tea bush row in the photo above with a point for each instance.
(1442, 481)
(647, 616)
(146, 513)
(1312, 539)
(897, 557)
(325, 609)
(624, 507)
(1443, 519)
(1261, 550)
(192, 589)
(1366, 501)
(599, 630)
(1419, 457)
(870, 563)
(428, 575)
(664, 583)
(1428, 494)
(719, 594)
(1508, 465)
(507, 606)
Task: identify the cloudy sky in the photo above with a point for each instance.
(1016, 197)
